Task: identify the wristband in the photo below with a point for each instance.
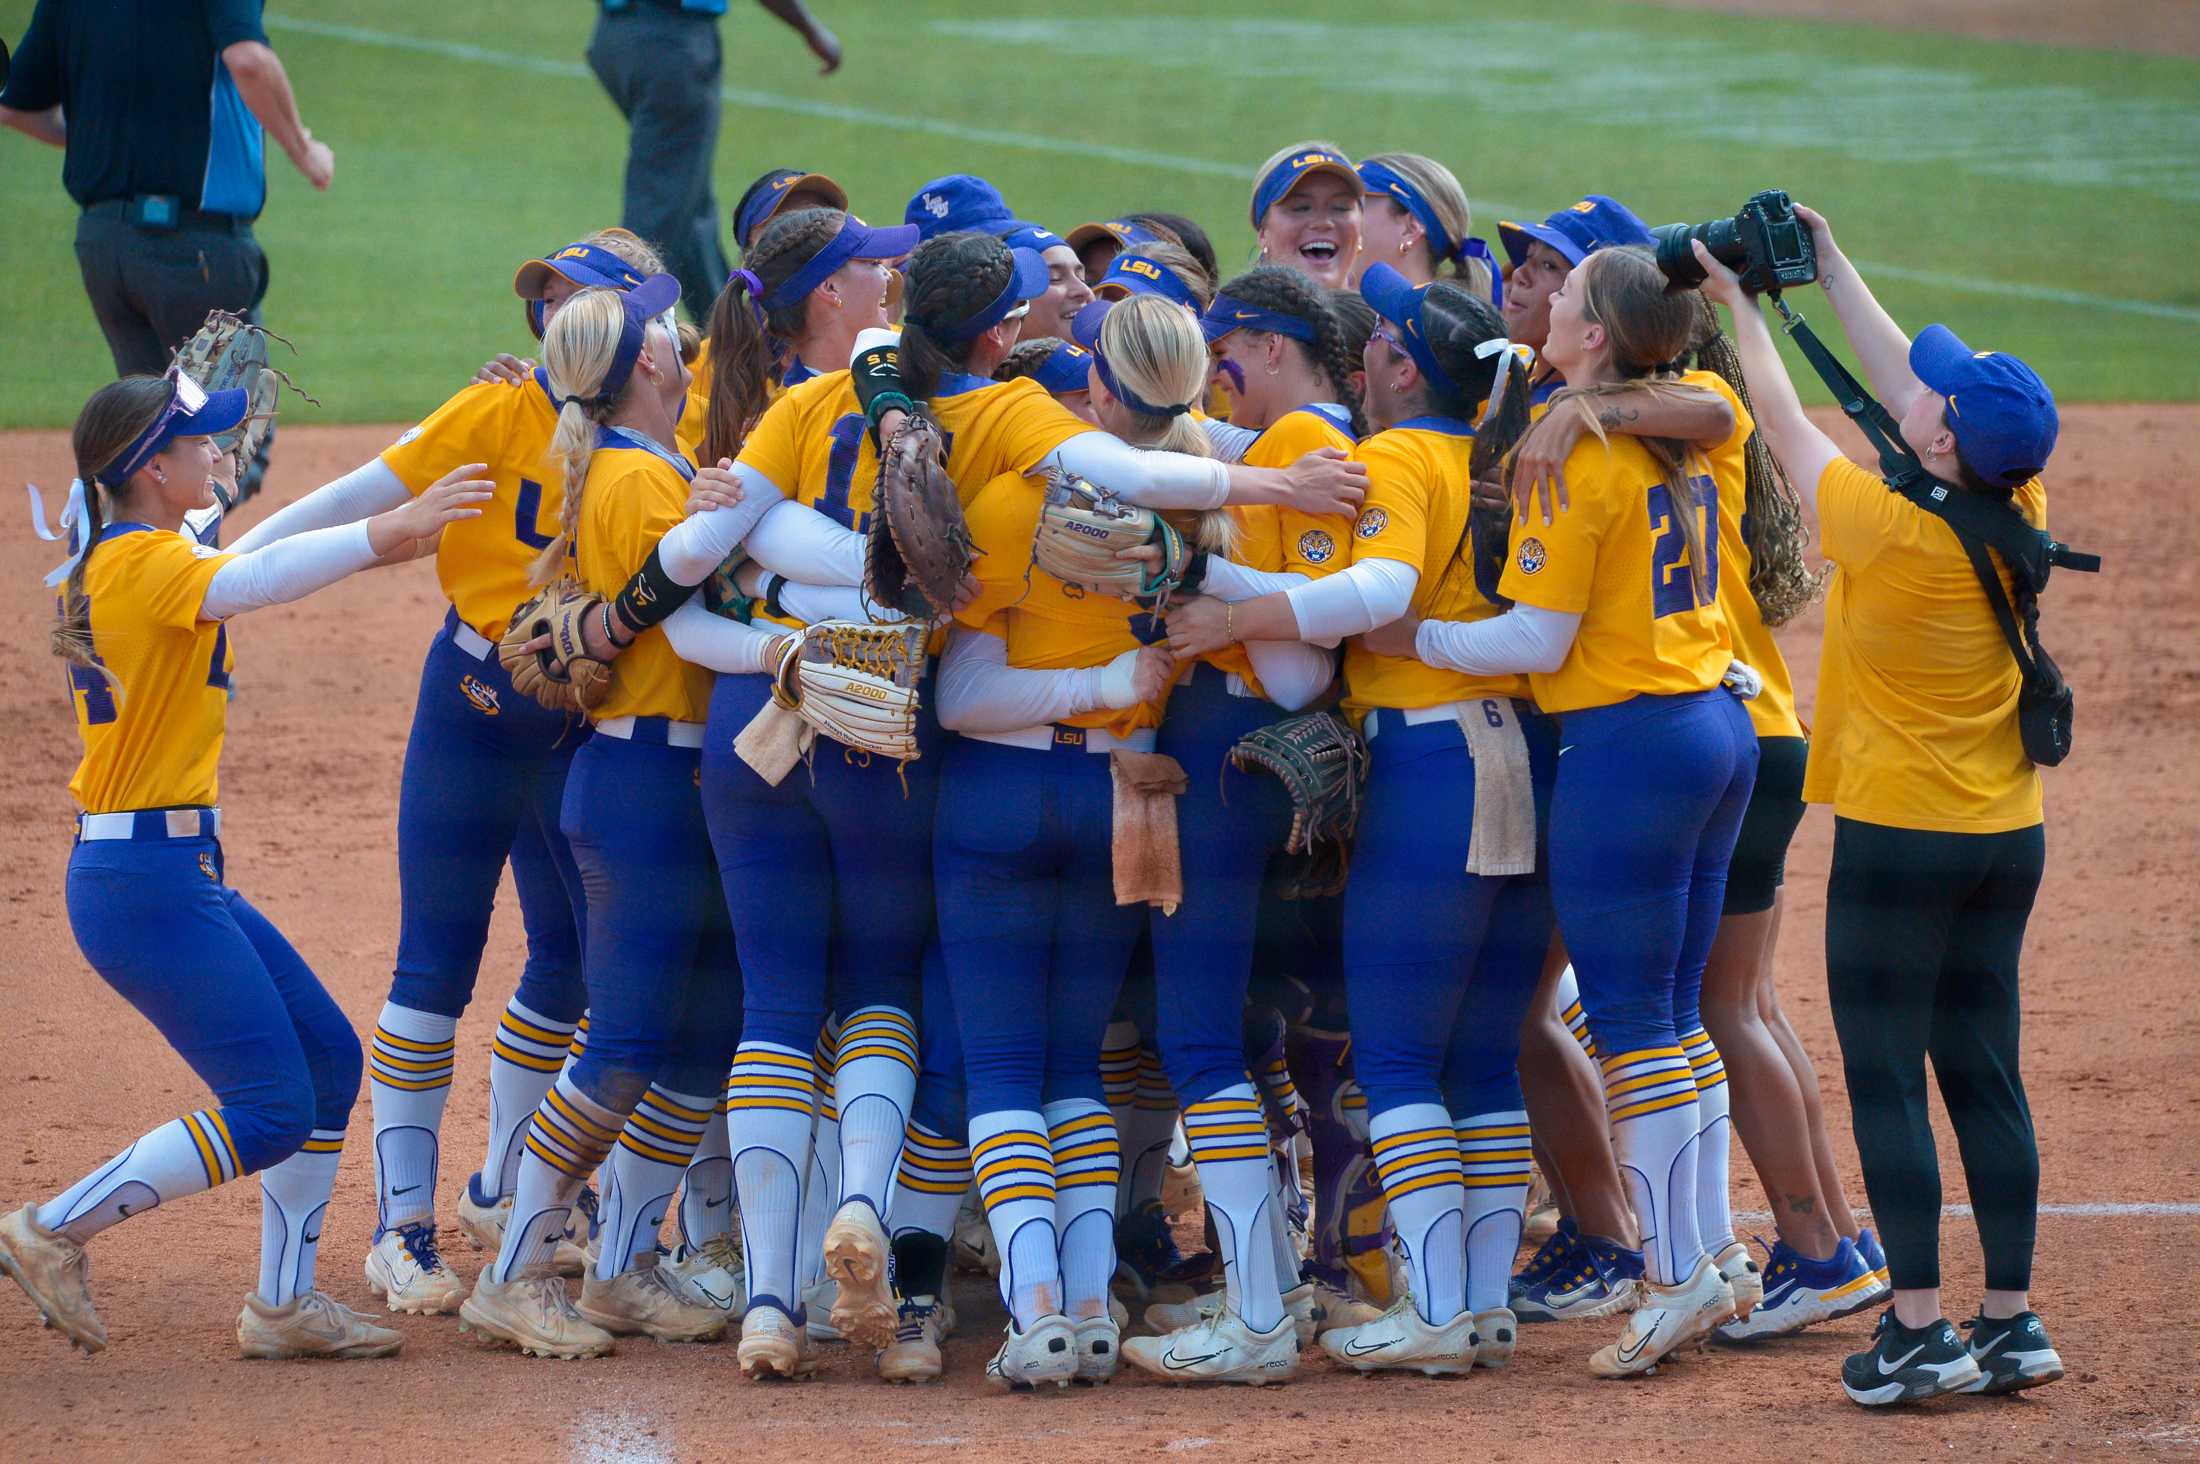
(884, 402)
(773, 584)
(648, 599)
(1195, 573)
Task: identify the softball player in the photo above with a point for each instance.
(657, 956)
(1306, 212)
(484, 779)
(144, 628)
(1416, 220)
(1063, 370)
(777, 191)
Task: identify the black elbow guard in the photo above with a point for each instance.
(649, 597)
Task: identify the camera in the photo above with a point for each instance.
(1766, 244)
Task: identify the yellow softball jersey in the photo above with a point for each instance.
(483, 562)
(688, 433)
(1771, 711)
(1917, 691)
(1619, 558)
(631, 498)
(156, 741)
(1416, 514)
(1278, 539)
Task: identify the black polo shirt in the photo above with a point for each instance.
(149, 105)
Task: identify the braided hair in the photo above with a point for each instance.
(951, 278)
(577, 354)
(1026, 357)
(747, 338)
(1455, 321)
(1282, 291)
(113, 419)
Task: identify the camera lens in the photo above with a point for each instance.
(1722, 237)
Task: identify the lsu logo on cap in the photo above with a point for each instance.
(1371, 523)
(1306, 160)
(1316, 547)
(935, 205)
(480, 693)
(1587, 205)
(1144, 268)
(781, 185)
(1532, 556)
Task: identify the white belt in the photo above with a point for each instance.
(1052, 737)
(1235, 685)
(171, 823)
(676, 734)
(471, 641)
(1383, 717)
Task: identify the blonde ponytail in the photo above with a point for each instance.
(1158, 354)
(577, 354)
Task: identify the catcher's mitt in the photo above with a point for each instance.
(230, 351)
(564, 677)
(919, 548)
(1322, 761)
(1083, 528)
(855, 683)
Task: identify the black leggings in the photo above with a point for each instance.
(1923, 932)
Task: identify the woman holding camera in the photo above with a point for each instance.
(1938, 840)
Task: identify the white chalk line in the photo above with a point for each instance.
(1128, 156)
(2093, 1211)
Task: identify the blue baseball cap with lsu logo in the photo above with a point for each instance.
(1398, 300)
(1127, 234)
(1132, 273)
(2002, 414)
(1067, 368)
(1597, 222)
(958, 202)
(582, 264)
(769, 194)
(1294, 169)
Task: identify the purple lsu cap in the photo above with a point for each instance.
(1134, 274)
(1398, 300)
(2002, 414)
(1127, 234)
(957, 202)
(1597, 222)
(1286, 175)
(1067, 369)
(856, 240)
(192, 412)
(583, 265)
(769, 194)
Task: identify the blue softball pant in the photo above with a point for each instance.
(664, 989)
(157, 919)
(1035, 944)
(940, 1106)
(484, 781)
(827, 876)
(1228, 824)
(1440, 965)
(1649, 802)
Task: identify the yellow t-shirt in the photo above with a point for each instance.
(1619, 558)
(630, 499)
(1771, 711)
(1278, 539)
(483, 562)
(157, 742)
(1917, 690)
(1416, 514)
(687, 435)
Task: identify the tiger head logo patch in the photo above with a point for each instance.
(1316, 547)
(206, 865)
(1532, 556)
(480, 693)
(1371, 523)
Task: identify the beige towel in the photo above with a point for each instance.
(1148, 868)
(1503, 840)
(775, 740)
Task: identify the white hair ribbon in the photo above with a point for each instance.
(72, 518)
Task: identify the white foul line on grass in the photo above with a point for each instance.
(1128, 156)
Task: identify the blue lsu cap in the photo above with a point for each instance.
(1027, 280)
(1227, 315)
(769, 194)
(1084, 326)
(957, 202)
(192, 412)
(1134, 274)
(1597, 222)
(1286, 175)
(856, 240)
(1398, 300)
(583, 265)
(1068, 368)
(2002, 414)
(1127, 234)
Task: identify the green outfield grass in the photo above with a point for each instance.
(2042, 201)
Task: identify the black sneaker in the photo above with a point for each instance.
(920, 1264)
(1908, 1364)
(2012, 1354)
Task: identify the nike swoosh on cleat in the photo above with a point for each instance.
(1353, 1349)
(1177, 1364)
(1887, 1371)
(1627, 1355)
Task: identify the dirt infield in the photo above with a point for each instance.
(323, 697)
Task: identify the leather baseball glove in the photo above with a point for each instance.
(1083, 528)
(855, 683)
(919, 548)
(230, 351)
(1322, 761)
(563, 677)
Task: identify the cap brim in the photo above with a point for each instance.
(653, 296)
(1031, 273)
(1214, 330)
(1517, 237)
(1084, 234)
(535, 274)
(891, 242)
(1935, 356)
(222, 411)
(1334, 170)
(1084, 327)
(813, 183)
(1390, 292)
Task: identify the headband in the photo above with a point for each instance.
(1229, 313)
(1136, 274)
(1115, 388)
(1027, 279)
(855, 240)
(1285, 176)
(1379, 178)
(649, 303)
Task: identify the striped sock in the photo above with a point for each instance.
(524, 1060)
(1494, 1154)
(823, 1179)
(935, 1170)
(1417, 1161)
(1571, 1013)
(181, 1157)
(569, 1136)
(874, 1082)
(1714, 1141)
(1014, 1166)
(1148, 1133)
(1276, 1087)
(1650, 1094)
(1352, 1109)
(1088, 1163)
(1119, 1085)
(579, 1044)
(706, 1190)
(660, 1136)
(1229, 1143)
(409, 1068)
(771, 1101)
(293, 1199)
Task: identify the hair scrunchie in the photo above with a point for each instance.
(752, 286)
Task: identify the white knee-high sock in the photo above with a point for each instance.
(1714, 1141)
(771, 1103)
(1650, 1095)
(1494, 1154)
(1014, 1165)
(874, 1082)
(524, 1060)
(181, 1157)
(293, 1200)
(928, 1190)
(652, 1153)
(706, 1190)
(1088, 1163)
(1417, 1160)
(409, 1072)
(1119, 1084)
(821, 1182)
(1149, 1132)
(1570, 1011)
(568, 1137)
(1229, 1141)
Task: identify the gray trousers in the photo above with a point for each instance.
(661, 68)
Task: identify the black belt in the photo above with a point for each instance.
(147, 211)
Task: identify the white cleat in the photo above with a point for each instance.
(53, 1273)
(1045, 1354)
(972, 1246)
(1399, 1341)
(1300, 1303)
(859, 1260)
(1333, 1308)
(404, 1268)
(1220, 1348)
(1495, 1332)
(1740, 1269)
(313, 1325)
(649, 1302)
(534, 1314)
(817, 1305)
(914, 1354)
(1099, 1349)
(1669, 1317)
(774, 1345)
(483, 1226)
(711, 1274)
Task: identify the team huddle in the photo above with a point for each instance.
(1173, 798)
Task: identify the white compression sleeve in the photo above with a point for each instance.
(704, 639)
(1355, 599)
(1228, 440)
(288, 569)
(1524, 638)
(813, 603)
(366, 490)
(1226, 579)
(699, 543)
(799, 542)
(980, 692)
(1293, 673)
(1141, 476)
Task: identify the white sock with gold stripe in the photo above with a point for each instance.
(570, 1135)
(524, 1060)
(1088, 1163)
(1571, 1013)
(1228, 1136)
(1148, 1133)
(771, 1099)
(874, 1082)
(1417, 1160)
(660, 1136)
(935, 1171)
(1494, 1153)
(706, 1190)
(1714, 1141)
(409, 1079)
(293, 1199)
(181, 1157)
(1014, 1165)
(822, 1182)
(1650, 1095)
